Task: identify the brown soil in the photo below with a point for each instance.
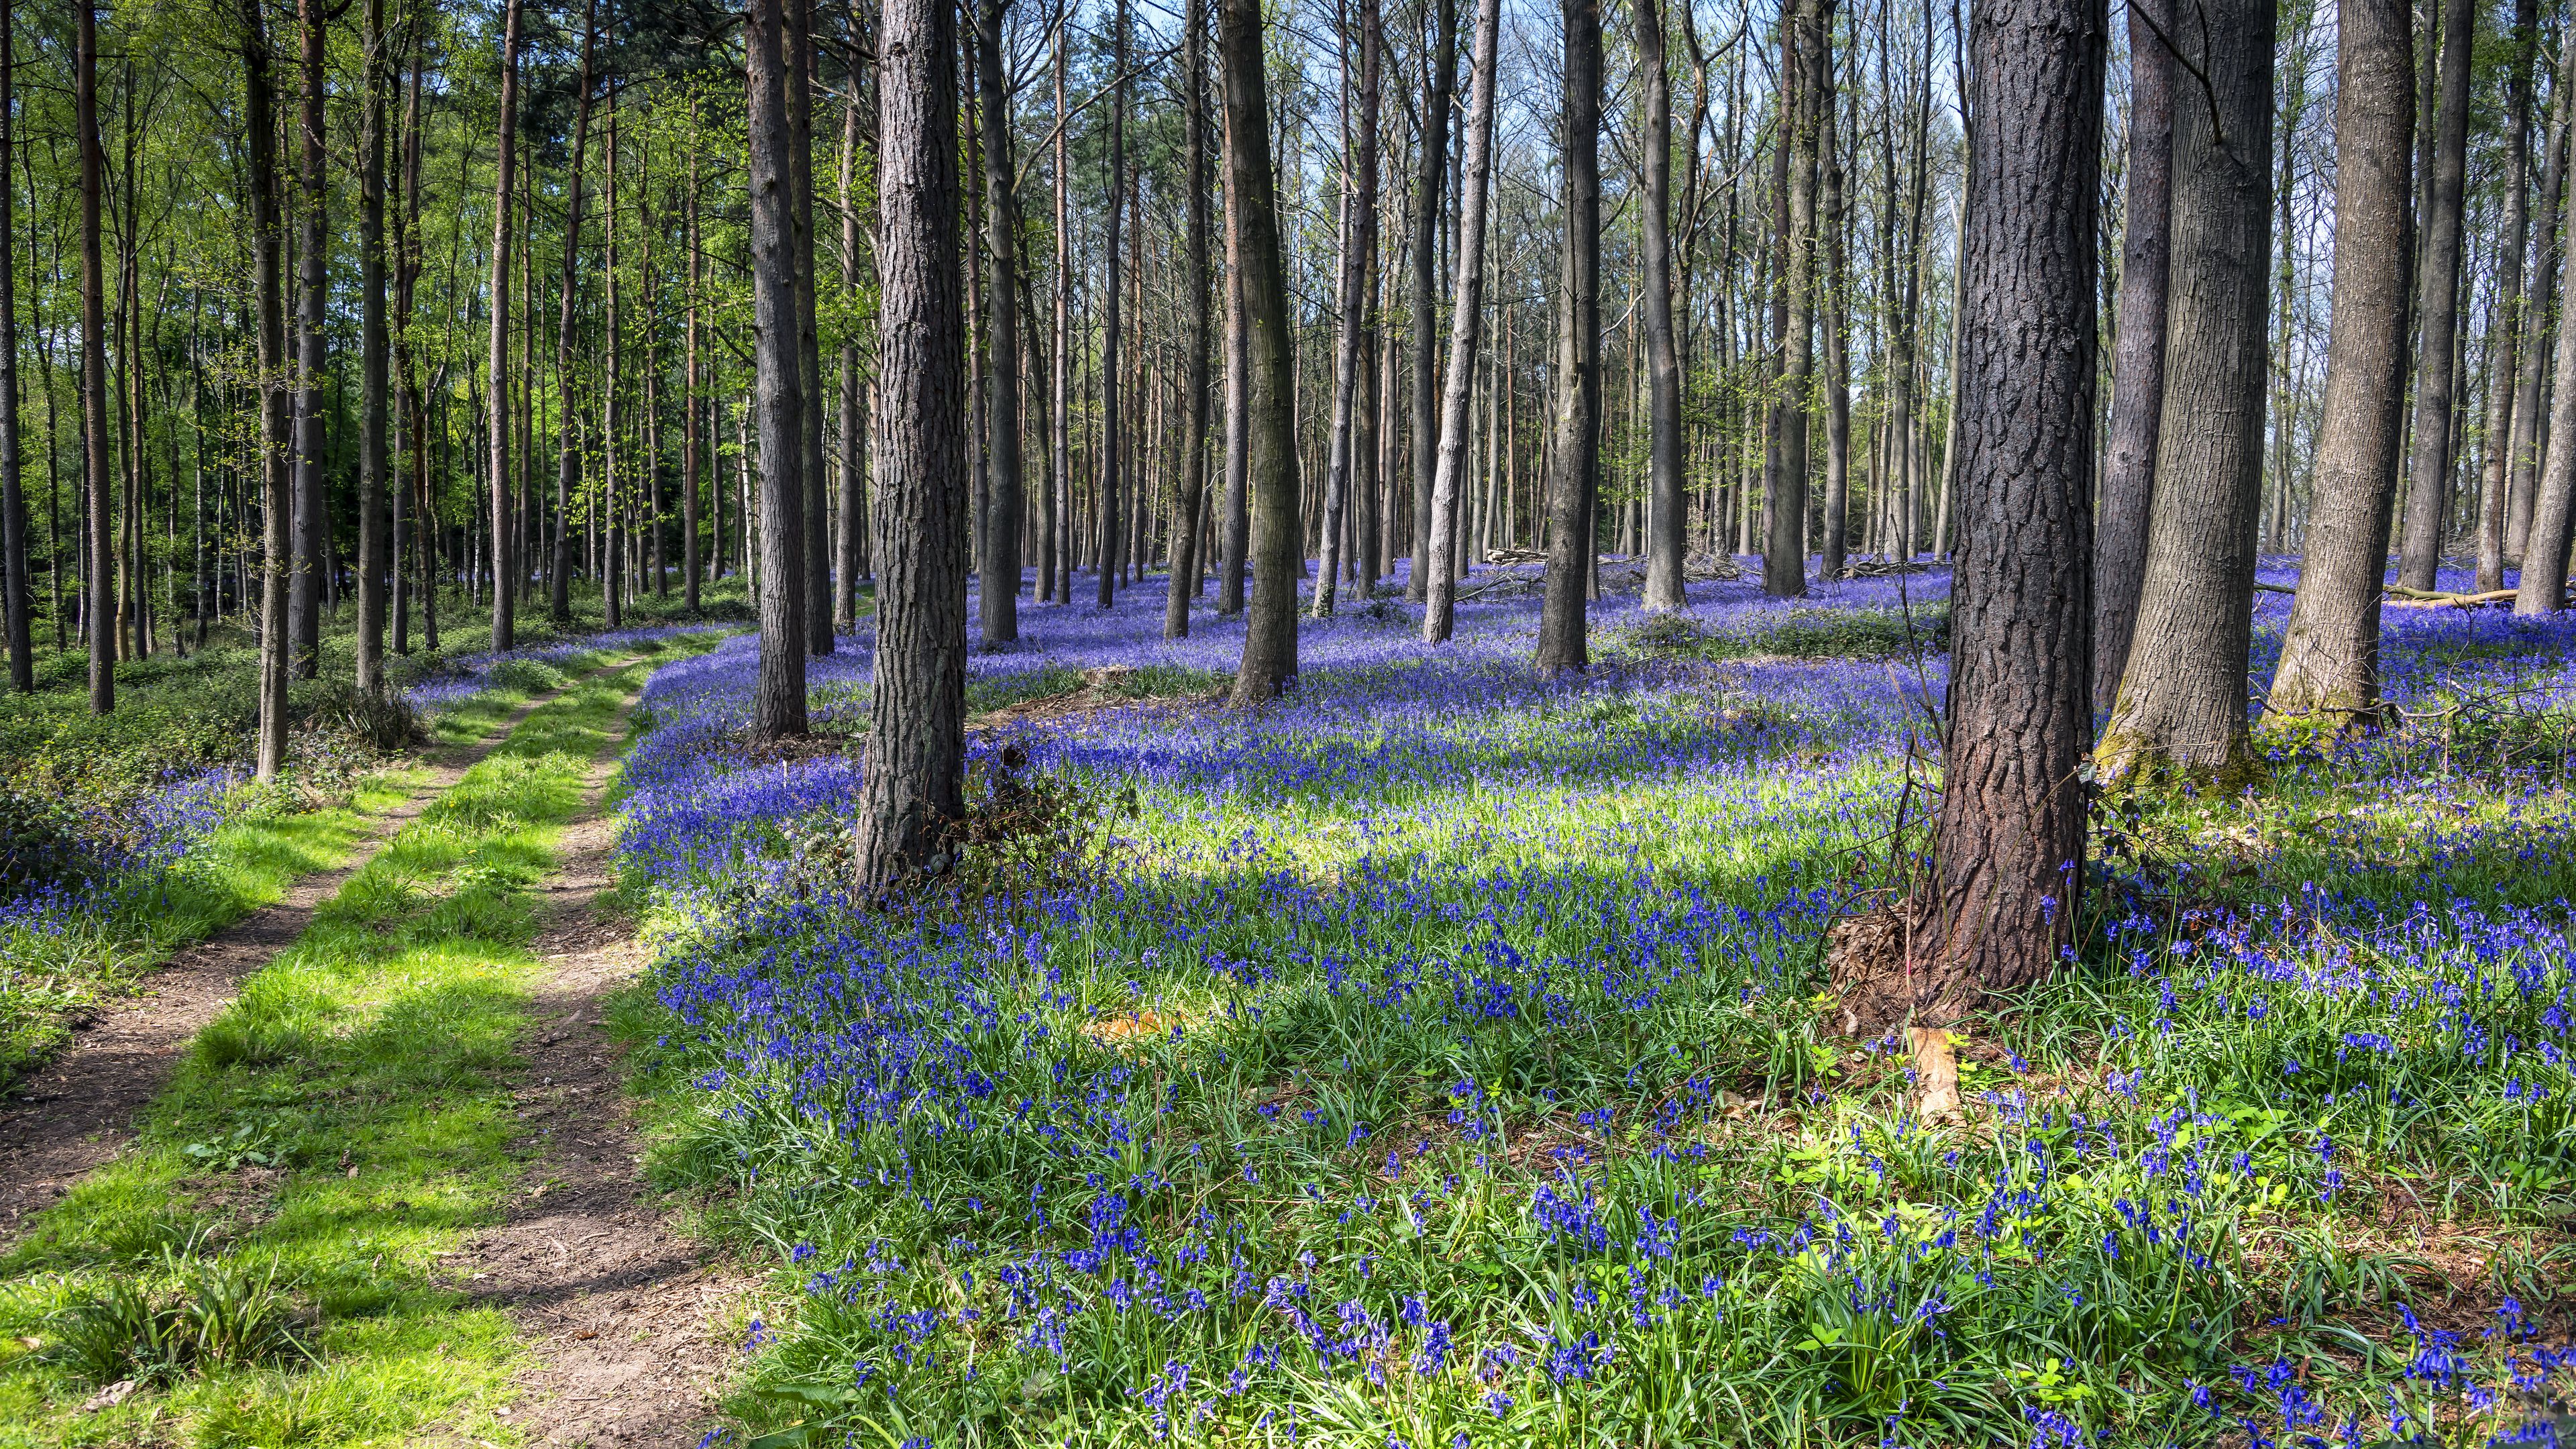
(632, 1325)
(1099, 693)
(75, 1112)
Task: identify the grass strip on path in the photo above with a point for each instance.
(275, 1234)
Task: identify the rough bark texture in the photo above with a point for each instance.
(1665, 543)
(568, 451)
(1351, 340)
(2505, 323)
(809, 344)
(1060, 378)
(778, 699)
(1237, 543)
(1113, 450)
(849, 557)
(312, 518)
(2538, 317)
(1466, 322)
(1194, 467)
(1428, 191)
(504, 599)
(2543, 587)
(2428, 474)
(13, 501)
(1574, 482)
(2329, 672)
(1784, 550)
(999, 597)
(2138, 354)
(2181, 704)
(2009, 852)
(101, 605)
(267, 238)
(1270, 398)
(375, 363)
(915, 789)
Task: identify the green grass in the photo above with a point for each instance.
(347, 1121)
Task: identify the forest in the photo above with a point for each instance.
(1366, 722)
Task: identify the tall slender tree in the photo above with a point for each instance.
(1440, 80)
(2428, 474)
(1574, 484)
(504, 599)
(1270, 399)
(999, 568)
(2138, 356)
(375, 359)
(914, 789)
(101, 603)
(13, 498)
(1466, 322)
(567, 335)
(1113, 436)
(2504, 327)
(2329, 672)
(1352, 340)
(1666, 508)
(2181, 707)
(312, 513)
(268, 300)
(1186, 559)
(778, 700)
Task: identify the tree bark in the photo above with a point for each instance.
(2504, 325)
(1784, 553)
(568, 449)
(999, 596)
(267, 237)
(312, 255)
(778, 699)
(691, 447)
(1060, 376)
(2329, 672)
(1270, 397)
(1113, 445)
(915, 776)
(817, 544)
(2181, 705)
(1466, 322)
(1186, 558)
(101, 605)
(1665, 543)
(2008, 854)
(1350, 353)
(2428, 482)
(1441, 79)
(1574, 484)
(375, 361)
(2538, 318)
(851, 556)
(2138, 356)
(504, 615)
(13, 501)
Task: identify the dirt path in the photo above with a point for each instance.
(630, 1322)
(79, 1109)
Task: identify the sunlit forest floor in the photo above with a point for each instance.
(1444, 1056)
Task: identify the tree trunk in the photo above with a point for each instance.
(1186, 557)
(267, 236)
(778, 700)
(1350, 354)
(1784, 553)
(375, 363)
(1060, 376)
(2138, 357)
(2009, 845)
(817, 545)
(568, 450)
(1466, 322)
(13, 501)
(1441, 79)
(2428, 482)
(504, 618)
(1113, 446)
(999, 597)
(2538, 317)
(1238, 406)
(612, 506)
(101, 604)
(691, 447)
(914, 790)
(2181, 705)
(853, 425)
(312, 256)
(1574, 485)
(2329, 670)
(2504, 325)
(1834, 305)
(1665, 543)
(1270, 397)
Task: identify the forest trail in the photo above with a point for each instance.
(626, 1315)
(80, 1109)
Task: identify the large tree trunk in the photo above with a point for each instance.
(2428, 481)
(1466, 323)
(778, 699)
(2329, 670)
(1270, 394)
(2138, 357)
(313, 261)
(504, 600)
(2538, 318)
(2181, 705)
(1574, 482)
(1440, 83)
(1000, 567)
(375, 362)
(1350, 353)
(1665, 543)
(1113, 438)
(1810, 93)
(267, 238)
(13, 502)
(915, 777)
(2504, 325)
(101, 605)
(1186, 558)
(2008, 853)
(568, 450)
